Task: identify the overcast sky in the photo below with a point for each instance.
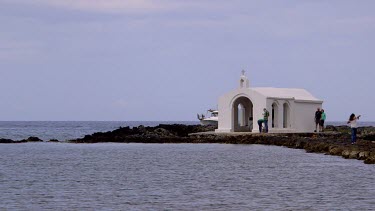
(168, 60)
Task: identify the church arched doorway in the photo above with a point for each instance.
(242, 115)
(286, 115)
(275, 115)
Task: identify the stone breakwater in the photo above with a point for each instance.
(330, 144)
(334, 141)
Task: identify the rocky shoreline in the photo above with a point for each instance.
(334, 141)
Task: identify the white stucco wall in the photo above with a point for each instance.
(279, 127)
(305, 116)
(301, 108)
(300, 118)
(225, 108)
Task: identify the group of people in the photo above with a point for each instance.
(320, 118)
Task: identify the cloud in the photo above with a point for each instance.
(127, 6)
(112, 6)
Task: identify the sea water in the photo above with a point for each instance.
(115, 176)
(65, 130)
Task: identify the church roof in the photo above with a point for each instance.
(286, 93)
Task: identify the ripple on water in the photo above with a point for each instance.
(37, 176)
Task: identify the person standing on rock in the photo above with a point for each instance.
(353, 124)
(322, 120)
(318, 116)
(266, 114)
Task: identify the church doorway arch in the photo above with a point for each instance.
(286, 115)
(242, 114)
(275, 115)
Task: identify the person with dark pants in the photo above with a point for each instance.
(266, 114)
(354, 135)
(322, 119)
(353, 124)
(318, 116)
(260, 124)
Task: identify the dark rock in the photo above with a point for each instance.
(300, 144)
(353, 154)
(369, 137)
(160, 134)
(33, 139)
(53, 140)
(363, 155)
(331, 128)
(335, 150)
(370, 159)
(345, 153)
(6, 141)
(163, 132)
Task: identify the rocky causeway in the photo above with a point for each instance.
(333, 141)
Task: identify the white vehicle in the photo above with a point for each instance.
(211, 118)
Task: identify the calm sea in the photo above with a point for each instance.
(113, 176)
(64, 130)
(110, 176)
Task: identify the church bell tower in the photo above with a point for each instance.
(244, 81)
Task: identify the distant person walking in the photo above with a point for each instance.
(322, 120)
(260, 124)
(353, 124)
(266, 114)
(318, 116)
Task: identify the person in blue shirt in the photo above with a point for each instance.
(322, 119)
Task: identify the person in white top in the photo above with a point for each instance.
(353, 124)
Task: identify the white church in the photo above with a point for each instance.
(291, 110)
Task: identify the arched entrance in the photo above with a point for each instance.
(286, 115)
(275, 115)
(242, 114)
